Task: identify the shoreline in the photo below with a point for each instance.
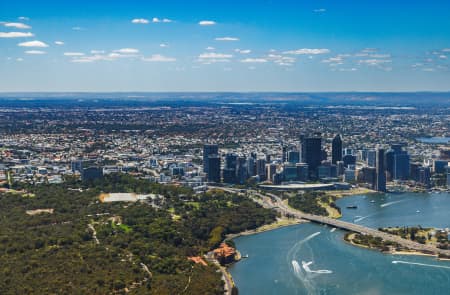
(279, 223)
(392, 252)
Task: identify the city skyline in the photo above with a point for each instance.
(199, 46)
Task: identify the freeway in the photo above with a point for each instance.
(274, 202)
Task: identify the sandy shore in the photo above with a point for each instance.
(279, 223)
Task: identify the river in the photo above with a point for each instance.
(331, 266)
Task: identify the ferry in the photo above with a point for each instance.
(352, 207)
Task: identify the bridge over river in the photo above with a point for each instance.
(274, 202)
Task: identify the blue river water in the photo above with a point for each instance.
(434, 140)
(331, 266)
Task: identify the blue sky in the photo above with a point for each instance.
(314, 45)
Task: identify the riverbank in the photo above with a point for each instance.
(279, 223)
(385, 247)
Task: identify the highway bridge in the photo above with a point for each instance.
(274, 202)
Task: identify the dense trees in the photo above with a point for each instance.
(56, 253)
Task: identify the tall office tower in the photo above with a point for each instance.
(312, 153)
(349, 160)
(213, 168)
(381, 174)
(209, 149)
(425, 176)
(389, 160)
(229, 171)
(302, 171)
(439, 166)
(251, 167)
(271, 169)
(336, 149)
(231, 161)
(369, 175)
(268, 158)
(284, 151)
(241, 170)
(371, 158)
(293, 157)
(401, 166)
(261, 169)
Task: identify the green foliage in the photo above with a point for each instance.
(56, 253)
(308, 203)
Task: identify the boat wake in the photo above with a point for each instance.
(391, 203)
(420, 264)
(306, 265)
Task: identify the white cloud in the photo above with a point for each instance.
(374, 62)
(214, 55)
(348, 70)
(34, 43)
(77, 28)
(159, 58)
(309, 51)
(243, 51)
(442, 56)
(428, 70)
(59, 42)
(127, 50)
(23, 18)
(207, 23)
(446, 50)
(227, 39)
(210, 48)
(15, 34)
(140, 21)
(254, 60)
(73, 53)
(337, 59)
(380, 55)
(158, 20)
(19, 59)
(97, 51)
(163, 45)
(35, 52)
(17, 25)
(320, 10)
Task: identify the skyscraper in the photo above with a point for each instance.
(381, 174)
(213, 168)
(312, 153)
(208, 149)
(229, 171)
(336, 149)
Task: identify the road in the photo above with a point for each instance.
(275, 202)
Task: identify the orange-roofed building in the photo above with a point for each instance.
(225, 254)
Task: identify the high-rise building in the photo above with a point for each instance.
(213, 168)
(302, 171)
(381, 173)
(209, 149)
(271, 169)
(312, 153)
(284, 153)
(425, 176)
(251, 167)
(439, 166)
(401, 166)
(349, 160)
(372, 158)
(293, 157)
(336, 149)
(389, 160)
(241, 170)
(261, 169)
(229, 171)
